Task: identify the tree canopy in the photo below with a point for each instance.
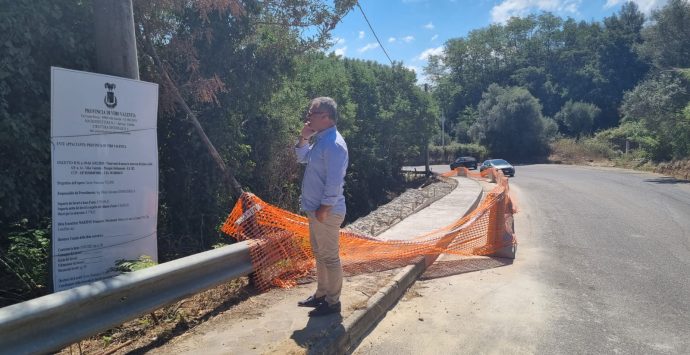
(557, 60)
(510, 124)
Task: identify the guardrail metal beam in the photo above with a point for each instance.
(51, 322)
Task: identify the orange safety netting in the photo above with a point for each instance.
(281, 252)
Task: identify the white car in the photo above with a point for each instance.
(508, 170)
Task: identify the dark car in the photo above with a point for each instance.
(508, 170)
(468, 162)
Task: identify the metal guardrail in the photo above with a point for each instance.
(51, 322)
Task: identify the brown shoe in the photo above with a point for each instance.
(312, 301)
(325, 309)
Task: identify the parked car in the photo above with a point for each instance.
(468, 162)
(508, 170)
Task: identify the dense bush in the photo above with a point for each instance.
(510, 124)
(24, 261)
(577, 118)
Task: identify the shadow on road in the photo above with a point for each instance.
(443, 268)
(318, 328)
(667, 180)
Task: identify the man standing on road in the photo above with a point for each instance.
(323, 201)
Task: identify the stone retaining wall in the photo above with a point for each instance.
(407, 203)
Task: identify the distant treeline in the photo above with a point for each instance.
(515, 86)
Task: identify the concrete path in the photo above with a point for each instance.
(271, 323)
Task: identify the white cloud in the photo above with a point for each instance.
(431, 51)
(646, 6)
(518, 8)
(433, 38)
(340, 51)
(368, 47)
(391, 39)
(408, 39)
(338, 41)
(361, 34)
(429, 26)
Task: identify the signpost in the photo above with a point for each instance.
(104, 174)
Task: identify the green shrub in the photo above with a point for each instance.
(24, 262)
(599, 149)
(143, 262)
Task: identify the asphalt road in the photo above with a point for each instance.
(603, 267)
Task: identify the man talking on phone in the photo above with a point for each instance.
(323, 150)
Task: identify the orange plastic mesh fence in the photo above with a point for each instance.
(281, 252)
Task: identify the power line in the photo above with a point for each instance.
(374, 32)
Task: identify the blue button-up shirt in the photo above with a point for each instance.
(324, 176)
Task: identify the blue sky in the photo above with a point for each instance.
(410, 30)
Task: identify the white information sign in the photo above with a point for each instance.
(105, 174)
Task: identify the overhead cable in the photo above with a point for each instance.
(374, 32)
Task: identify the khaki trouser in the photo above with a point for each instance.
(325, 245)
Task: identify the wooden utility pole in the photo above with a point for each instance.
(116, 54)
(116, 45)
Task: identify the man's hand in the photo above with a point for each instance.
(307, 131)
(322, 212)
(305, 134)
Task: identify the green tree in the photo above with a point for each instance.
(510, 124)
(228, 60)
(393, 120)
(667, 39)
(619, 64)
(577, 117)
(540, 84)
(34, 35)
(658, 104)
(556, 59)
(467, 118)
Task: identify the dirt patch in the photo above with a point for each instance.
(679, 169)
(580, 160)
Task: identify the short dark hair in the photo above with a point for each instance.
(328, 105)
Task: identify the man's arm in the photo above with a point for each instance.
(336, 165)
(301, 150)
